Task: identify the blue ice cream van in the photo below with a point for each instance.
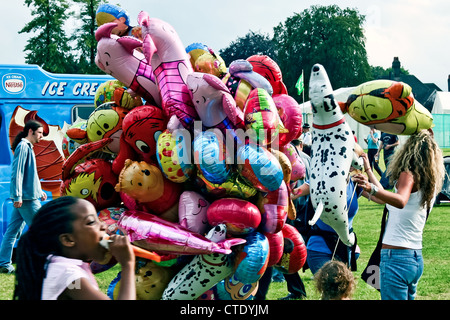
(28, 91)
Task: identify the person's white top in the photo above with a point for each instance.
(65, 273)
(404, 227)
(306, 138)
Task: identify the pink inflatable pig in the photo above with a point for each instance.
(171, 66)
(117, 56)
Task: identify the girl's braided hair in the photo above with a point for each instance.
(41, 240)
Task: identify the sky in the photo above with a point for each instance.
(416, 31)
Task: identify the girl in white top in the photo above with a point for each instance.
(53, 256)
(417, 171)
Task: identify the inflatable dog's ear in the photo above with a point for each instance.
(357, 161)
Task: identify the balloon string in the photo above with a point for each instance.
(337, 242)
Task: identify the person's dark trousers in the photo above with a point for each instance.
(295, 284)
(371, 156)
(263, 285)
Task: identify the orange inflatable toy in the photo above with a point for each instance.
(146, 184)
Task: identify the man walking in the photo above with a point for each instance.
(306, 138)
(25, 190)
(389, 143)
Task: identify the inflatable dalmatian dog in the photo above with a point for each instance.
(332, 154)
(202, 273)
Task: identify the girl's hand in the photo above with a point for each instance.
(121, 249)
(362, 181)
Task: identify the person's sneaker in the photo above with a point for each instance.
(292, 296)
(7, 269)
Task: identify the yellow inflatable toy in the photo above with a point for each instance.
(389, 106)
(115, 91)
(173, 157)
(151, 281)
(149, 190)
(204, 59)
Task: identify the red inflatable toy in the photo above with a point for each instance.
(269, 69)
(240, 216)
(276, 245)
(291, 116)
(141, 129)
(294, 252)
(274, 209)
(93, 181)
(261, 115)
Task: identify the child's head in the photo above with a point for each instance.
(335, 281)
(66, 226)
(112, 13)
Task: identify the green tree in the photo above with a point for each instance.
(327, 35)
(252, 43)
(381, 73)
(84, 38)
(49, 47)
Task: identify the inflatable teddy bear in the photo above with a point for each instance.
(145, 188)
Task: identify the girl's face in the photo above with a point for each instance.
(88, 230)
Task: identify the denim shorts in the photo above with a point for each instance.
(400, 271)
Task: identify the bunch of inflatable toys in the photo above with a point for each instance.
(191, 159)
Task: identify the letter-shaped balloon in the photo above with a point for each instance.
(332, 153)
(170, 62)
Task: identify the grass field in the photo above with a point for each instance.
(434, 284)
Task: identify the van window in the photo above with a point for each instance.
(82, 111)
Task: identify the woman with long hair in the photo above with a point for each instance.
(25, 189)
(417, 173)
